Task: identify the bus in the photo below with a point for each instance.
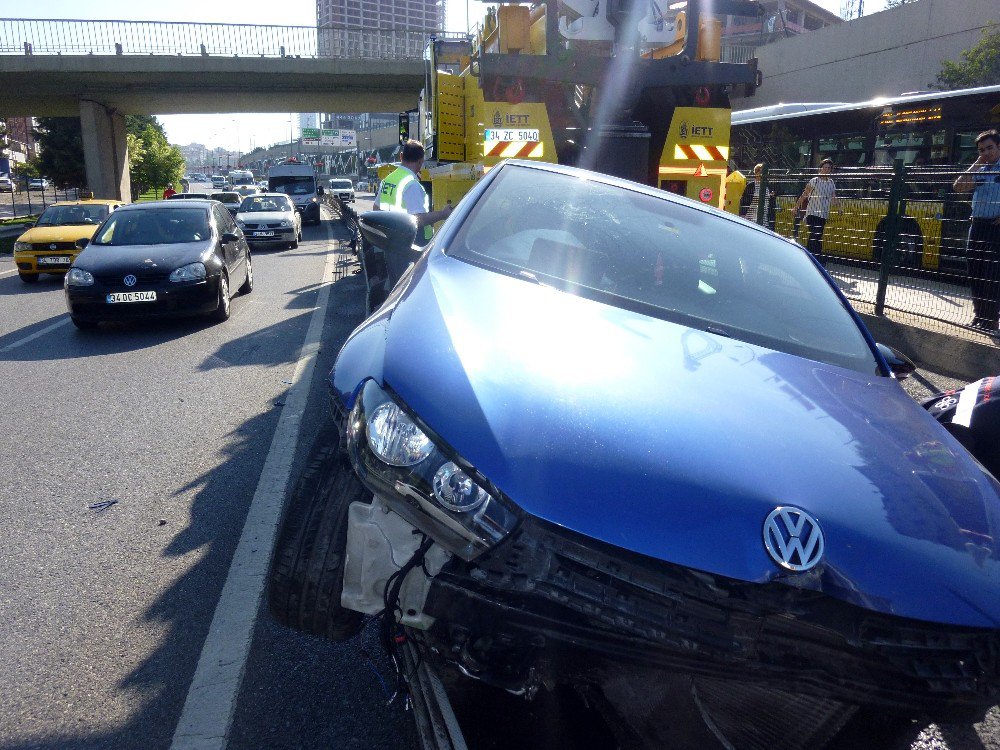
(239, 177)
(928, 127)
(932, 133)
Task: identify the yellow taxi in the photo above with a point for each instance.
(50, 245)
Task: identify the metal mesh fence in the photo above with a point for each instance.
(893, 239)
(26, 36)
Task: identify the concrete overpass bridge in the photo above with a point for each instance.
(104, 70)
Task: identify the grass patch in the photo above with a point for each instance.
(18, 220)
(150, 195)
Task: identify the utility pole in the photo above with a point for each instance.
(852, 9)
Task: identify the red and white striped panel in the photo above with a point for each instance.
(513, 149)
(703, 153)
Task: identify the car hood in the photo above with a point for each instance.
(68, 233)
(111, 259)
(265, 217)
(676, 444)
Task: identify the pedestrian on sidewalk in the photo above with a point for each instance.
(818, 198)
(982, 179)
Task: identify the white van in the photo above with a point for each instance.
(343, 188)
(298, 182)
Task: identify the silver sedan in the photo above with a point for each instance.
(269, 220)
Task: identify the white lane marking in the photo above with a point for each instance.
(7, 273)
(35, 335)
(208, 710)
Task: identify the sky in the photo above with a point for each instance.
(237, 132)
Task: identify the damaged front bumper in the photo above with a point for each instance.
(549, 605)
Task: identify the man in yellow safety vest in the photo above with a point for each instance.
(402, 191)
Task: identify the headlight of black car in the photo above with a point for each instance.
(424, 480)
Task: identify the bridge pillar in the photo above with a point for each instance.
(105, 151)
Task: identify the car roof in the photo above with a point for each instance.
(205, 202)
(88, 202)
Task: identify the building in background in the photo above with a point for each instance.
(410, 15)
(884, 54)
(781, 19)
(309, 120)
(18, 145)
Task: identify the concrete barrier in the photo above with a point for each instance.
(966, 356)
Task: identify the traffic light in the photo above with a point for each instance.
(404, 127)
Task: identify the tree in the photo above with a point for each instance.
(897, 3)
(979, 66)
(60, 142)
(156, 163)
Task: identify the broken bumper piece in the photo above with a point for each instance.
(550, 605)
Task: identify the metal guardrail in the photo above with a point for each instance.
(28, 36)
(895, 240)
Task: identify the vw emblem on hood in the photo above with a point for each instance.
(129, 280)
(53, 246)
(793, 538)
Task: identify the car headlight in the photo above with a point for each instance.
(22, 247)
(286, 222)
(241, 224)
(423, 479)
(190, 272)
(314, 199)
(79, 277)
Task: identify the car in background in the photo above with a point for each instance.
(246, 190)
(600, 435)
(219, 182)
(189, 196)
(270, 220)
(6, 184)
(230, 199)
(159, 259)
(198, 177)
(38, 183)
(49, 246)
(343, 189)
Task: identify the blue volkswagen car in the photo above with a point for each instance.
(597, 431)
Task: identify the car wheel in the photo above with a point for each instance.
(247, 285)
(222, 312)
(28, 278)
(83, 325)
(307, 573)
(294, 243)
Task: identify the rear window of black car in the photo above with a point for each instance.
(662, 258)
(153, 226)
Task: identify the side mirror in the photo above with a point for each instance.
(319, 190)
(901, 365)
(393, 233)
(82, 242)
(230, 237)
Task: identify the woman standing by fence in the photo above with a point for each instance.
(818, 198)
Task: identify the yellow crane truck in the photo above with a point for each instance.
(621, 86)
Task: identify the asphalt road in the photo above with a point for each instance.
(104, 613)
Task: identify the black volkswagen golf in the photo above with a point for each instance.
(166, 258)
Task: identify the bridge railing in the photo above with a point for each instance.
(28, 36)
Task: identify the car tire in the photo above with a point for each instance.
(247, 286)
(83, 325)
(307, 573)
(28, 278)
(223, 311)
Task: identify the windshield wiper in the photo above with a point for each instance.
(718, 331)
